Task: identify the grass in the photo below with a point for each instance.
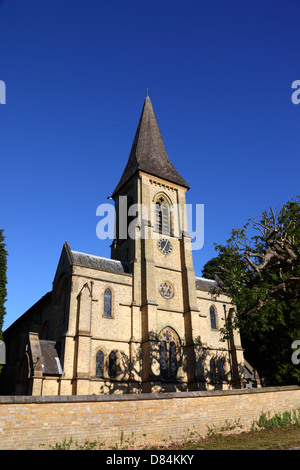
(276, 432)
(266, 439)
(280, 438)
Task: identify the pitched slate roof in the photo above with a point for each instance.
(51, 363)
(96, 262)
(148, 152)
(205, 284)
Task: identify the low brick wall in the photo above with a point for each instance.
(40, 421)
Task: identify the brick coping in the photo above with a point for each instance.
(24, 399)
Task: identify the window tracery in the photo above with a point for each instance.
(169, 353)
(163, 222)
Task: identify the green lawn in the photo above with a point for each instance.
(267, 439)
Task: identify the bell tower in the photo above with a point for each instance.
(152, 237)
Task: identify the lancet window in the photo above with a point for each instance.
(213, 322)
(107, 308)
(169, 353)
(163, 222)
(100, 364)
(112, 365)
(106, 366)
(217, 369)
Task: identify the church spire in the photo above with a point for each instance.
(148, 153)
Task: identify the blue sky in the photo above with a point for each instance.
(219, 75)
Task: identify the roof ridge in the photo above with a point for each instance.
(205, 279)
(95, 256)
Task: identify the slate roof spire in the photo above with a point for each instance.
(148, 152)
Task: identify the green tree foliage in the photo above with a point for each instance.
(259, 268)
(3, 279)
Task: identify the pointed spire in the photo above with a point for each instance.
(148, 153)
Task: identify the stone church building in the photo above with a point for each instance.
(138, 322)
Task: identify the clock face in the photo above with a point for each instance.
(165, 246)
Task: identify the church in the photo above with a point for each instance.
(139, 322)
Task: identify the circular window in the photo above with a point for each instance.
(166, 290)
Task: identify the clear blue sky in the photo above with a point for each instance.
(219, 75)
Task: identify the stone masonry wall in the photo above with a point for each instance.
(37, 422)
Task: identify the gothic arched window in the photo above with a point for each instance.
(169, 351)
(212, 364)
(221, 371)
(100, 358)
(213, 323)
(162, 214)
(112, 365)
(107, 309)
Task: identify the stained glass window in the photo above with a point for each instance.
(112, 365)
(107, 302)
(213, 323)
(168, 354)
(100, 364)
(221, 369)
(163, 358)
(172, 360)
(213, 370)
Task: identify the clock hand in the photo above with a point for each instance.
(164, 248)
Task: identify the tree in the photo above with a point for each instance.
(259, 268)
(3, 281)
